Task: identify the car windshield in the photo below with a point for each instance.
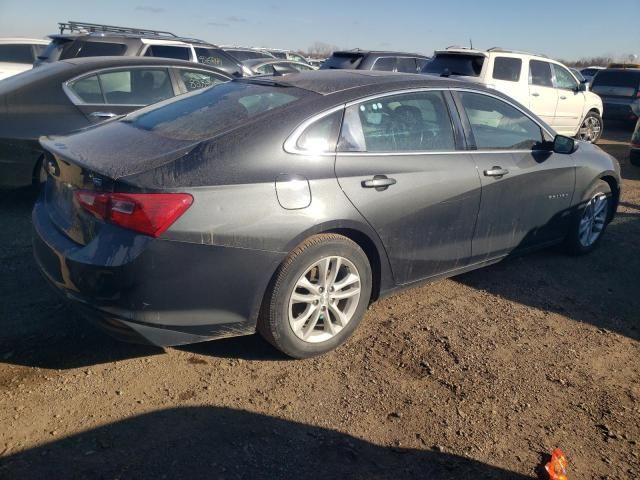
(455, 64)
(207, 113)
(617, 83)
(343, 61)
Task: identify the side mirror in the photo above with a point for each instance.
(582, 86)
(565, 145)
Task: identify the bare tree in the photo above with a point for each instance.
(320, 50)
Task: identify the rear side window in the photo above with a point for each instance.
(206, 113)
(496, 125)
(342, 61)
(17, 53)
(384, 64)
(506, 68)
(412, 122)
(196, 79)
(455, 64)
(168, 51)
(540, 73)
(140, 86)
(322, 135)
(92, 49)
(406, 65)
(243, 55)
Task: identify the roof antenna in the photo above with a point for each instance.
(471, 44)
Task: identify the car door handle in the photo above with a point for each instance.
(102, 114)
(535, 94)
(379, 182)
(562, 97)
(496, 172)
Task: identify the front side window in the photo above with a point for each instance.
(322, 135)
(384, 64)
(215, 58)
(168, 51)
(16, 53)
(540, 73)
(564, 79)
(406, 65)
(411, 122)
(496, 125)
(507, 68)
(194, 79)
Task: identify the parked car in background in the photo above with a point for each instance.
(634, 155)
(273, 66)
(96, 40)
(18, 54)
(289, 204)
(284, 54)
(242, 54)
(590, 72)
(619, 88)
(375, 60)
(315, 62)
(545, 86)
(71, 94)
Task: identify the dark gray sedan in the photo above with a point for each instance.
(63, 96)
(289, 204)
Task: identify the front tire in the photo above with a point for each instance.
(318, 296)
(591, 128)
(591, 220)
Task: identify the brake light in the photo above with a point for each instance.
(148, 213)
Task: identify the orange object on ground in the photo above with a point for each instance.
(557, 467)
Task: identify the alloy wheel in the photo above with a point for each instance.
(324, 299)
(593, 220)
(590, 129)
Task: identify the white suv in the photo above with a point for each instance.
(543, 85)
(18, 54)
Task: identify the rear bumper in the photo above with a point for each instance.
(163, 292)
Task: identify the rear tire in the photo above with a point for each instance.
(304, 315)
(591, 220)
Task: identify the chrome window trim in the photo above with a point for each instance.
(66, 86)
(290, 144)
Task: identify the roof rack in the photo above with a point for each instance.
(84, 27)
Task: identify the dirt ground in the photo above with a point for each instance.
(480, 376)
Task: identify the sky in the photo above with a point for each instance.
(560, 29)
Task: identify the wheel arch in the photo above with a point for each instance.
(615, 191)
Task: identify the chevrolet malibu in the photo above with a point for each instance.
(289, 204)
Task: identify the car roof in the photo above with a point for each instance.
(327, 82)
(38, 41)
(358, 51)
(118, 61)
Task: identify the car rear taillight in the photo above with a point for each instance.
(148, 213)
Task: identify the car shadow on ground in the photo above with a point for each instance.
(599, 288)
(216, 443)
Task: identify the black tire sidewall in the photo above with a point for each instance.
(282, 334)
(596, 115)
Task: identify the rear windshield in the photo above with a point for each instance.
(616, 83)
(207, 113)
(342, 61)
(455, 64)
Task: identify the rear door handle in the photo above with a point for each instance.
(535, 94)
(562, 97)
(496, 172)
(379, 182)
(102, 114)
